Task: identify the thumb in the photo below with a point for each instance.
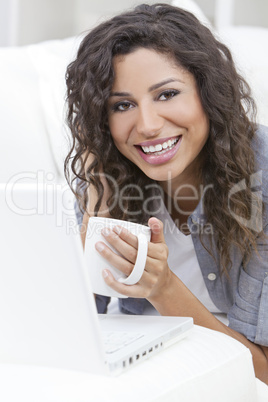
(157, 234)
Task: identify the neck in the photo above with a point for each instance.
(182, 195)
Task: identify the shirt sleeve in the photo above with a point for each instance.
(249, 314)
(102, 303)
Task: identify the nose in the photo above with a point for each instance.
(149, 122)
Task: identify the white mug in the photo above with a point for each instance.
(96, 263)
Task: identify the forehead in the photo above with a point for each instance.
(143, 56)
(146, 65)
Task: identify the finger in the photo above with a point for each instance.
(136, 290)
(156, 252)
(128, 251)
(126, 235)
(114, 259)
(123, 265)
(157, 234)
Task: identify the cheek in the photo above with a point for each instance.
(189, 108)
(198, 113)
(202, 125)
(120, 129)
(196, 119)
(115, 124)
(112, 124)
(117, 134)
(119, 141)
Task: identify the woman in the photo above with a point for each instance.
(163, 132)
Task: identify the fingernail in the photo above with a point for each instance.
(99, 246)
(117, 229)
(105, 273)
(105, 231)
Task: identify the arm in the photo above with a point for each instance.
(167, 293)
(176, 299)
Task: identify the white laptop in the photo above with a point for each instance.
(48, 314)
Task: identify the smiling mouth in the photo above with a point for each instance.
(160, 149)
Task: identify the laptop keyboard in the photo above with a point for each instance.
(116, 340)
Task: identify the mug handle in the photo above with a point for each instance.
(139, 266)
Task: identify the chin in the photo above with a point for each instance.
(161, 176)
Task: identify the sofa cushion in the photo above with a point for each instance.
(25, 149)
(50, 60)
(248, 45)
(32, 101)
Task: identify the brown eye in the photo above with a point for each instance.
(167, 95)
(122, 106)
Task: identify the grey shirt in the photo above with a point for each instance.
(243, 296)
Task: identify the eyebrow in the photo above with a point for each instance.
(160, 84)
(151, 88)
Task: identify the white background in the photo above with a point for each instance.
(29, 21)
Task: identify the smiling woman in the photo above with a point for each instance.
(164, 132)
(155, 116)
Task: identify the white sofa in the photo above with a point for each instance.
(33, 140)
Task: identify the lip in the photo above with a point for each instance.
(162, 158)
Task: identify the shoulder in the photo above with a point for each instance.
(260, 146)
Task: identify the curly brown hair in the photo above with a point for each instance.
(225, 97)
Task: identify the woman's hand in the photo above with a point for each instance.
(164, 290)
(156, 275)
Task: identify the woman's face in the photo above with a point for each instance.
(155, 115)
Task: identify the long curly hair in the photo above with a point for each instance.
(225, 97)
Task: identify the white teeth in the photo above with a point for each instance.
(165, 145)
(160, 147)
